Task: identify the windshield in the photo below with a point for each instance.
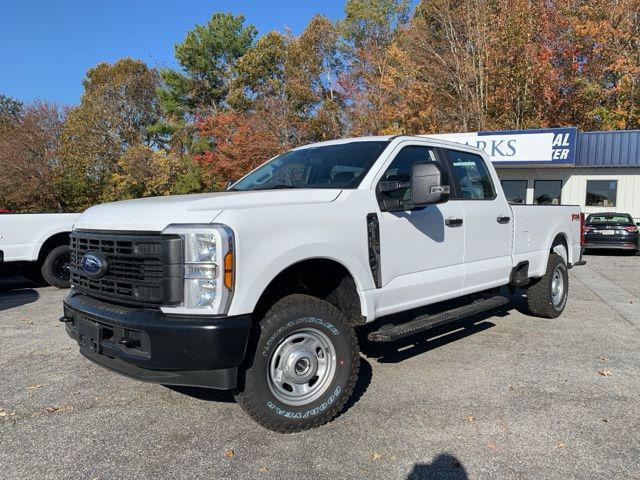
(331, 166)
(613, 218)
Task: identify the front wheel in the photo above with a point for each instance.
(55, 268)
(547, 297)
(305, 366)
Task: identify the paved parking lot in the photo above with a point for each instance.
(506, 396)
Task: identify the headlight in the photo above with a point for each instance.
(199, 247)
(208, 268)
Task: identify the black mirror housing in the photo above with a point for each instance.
(426, 184)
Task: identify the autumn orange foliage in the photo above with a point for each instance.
(241, 142)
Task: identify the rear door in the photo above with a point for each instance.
(421, 249)
(487, 221)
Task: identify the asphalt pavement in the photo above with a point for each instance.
(503, 396)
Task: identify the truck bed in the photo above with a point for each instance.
(536, 226)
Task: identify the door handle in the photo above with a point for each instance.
(503, 219)
(453, 222)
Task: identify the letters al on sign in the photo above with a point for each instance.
(555, 146)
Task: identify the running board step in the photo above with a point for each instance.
(425, 322)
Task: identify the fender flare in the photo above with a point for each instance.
(254, 292)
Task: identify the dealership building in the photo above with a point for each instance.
(599, 171)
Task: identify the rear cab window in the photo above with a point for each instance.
(471, 176)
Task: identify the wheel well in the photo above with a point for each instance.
(560, 239)
(52, 242)
(319, 277)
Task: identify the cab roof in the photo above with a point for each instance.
(389, 138)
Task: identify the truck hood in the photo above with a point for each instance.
(155, 213)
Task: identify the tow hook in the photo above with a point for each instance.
(128, 342)
(64, 319)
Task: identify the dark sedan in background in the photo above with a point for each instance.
(611, 230)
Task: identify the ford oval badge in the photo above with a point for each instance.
(93, 264)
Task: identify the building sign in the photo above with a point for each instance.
(522, 147)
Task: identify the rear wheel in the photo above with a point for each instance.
(547, 297)
(305, 366)
(55, 268)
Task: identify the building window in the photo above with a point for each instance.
(547, 192)
(601, 193)
(515, 190)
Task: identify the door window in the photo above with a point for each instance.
(400, 170)
(471, 175)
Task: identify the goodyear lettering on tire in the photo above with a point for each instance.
(318, 321)
(309, 413)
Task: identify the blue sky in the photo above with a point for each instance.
(48, 46)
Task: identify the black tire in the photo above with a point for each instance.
(55, 268)
(292, 316)
(540, 295)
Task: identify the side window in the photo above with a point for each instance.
(471, 175)
(400, 170)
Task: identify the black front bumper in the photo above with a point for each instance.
(151, 346)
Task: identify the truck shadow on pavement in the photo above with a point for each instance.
(15, 292)
(226, 396)
(444, 467)
(206, 394)
(423, 342)
(17, 298)
(395, 352)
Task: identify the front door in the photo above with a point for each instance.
(421, 249)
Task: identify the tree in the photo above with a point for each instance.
(207, 57)
(117, 108)
(447, 45)
(598, 54)
(242, 142)
(293, 80)
(259, 84)
(283, 94)
(29, 159)
(10, 109)
(143, 172)
(312, 68)
(367, 31)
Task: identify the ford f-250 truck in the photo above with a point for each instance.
(37, 245)
(258, 289)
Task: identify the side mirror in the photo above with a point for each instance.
(426, 185)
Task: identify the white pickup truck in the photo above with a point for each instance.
(37, 245)
(258, 289)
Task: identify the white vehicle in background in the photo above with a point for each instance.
(37, 245)
(259, 289)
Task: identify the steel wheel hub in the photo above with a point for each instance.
(302, 367)
(557, 287)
